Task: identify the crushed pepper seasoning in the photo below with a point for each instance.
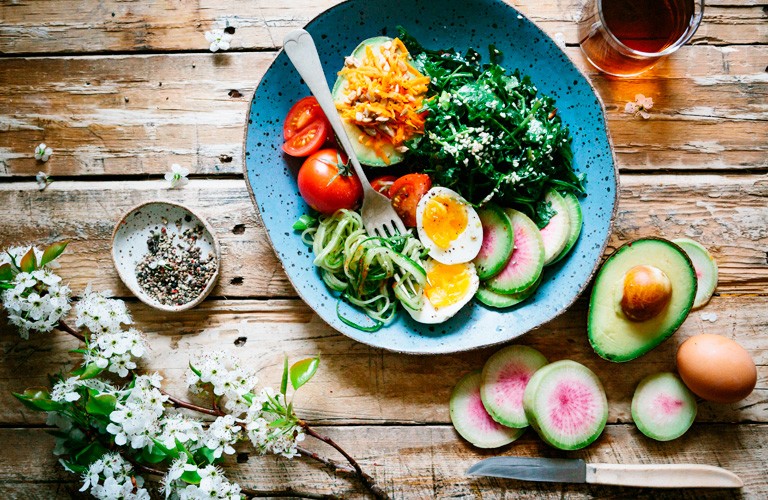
(174, 272)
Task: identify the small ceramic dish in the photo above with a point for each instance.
(130, 245)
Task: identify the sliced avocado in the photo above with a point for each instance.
(613, 335)
(366, 155)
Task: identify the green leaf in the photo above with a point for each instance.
(100, 404)
(183, 449)
(79, 351)
(195, 370)
(29, 261)
(207, 454)
(5, 286)
(248, 397)
(90, 454)
(73, 467)
(88, 371)
(6, 272)
(153, 456)
(52, 251)
(191, 477)
(279, 422)
(284, 381)
(302, 371)
(38, 400)
(171, 452)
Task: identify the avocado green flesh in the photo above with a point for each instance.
(366, 155)
(614, 336)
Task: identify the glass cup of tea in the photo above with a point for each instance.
(627, 37)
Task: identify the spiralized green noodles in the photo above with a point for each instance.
(369, 272)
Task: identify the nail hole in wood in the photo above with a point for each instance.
(234, 94)
(242, 458)
(225, 159)
(230, 30)
(238, 229)
(237, 280)
(240, 341)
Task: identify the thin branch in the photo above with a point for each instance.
(290, 492)
(333, 464)
(68, 329)
(180, 403)
(367, 480)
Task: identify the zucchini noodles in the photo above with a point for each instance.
(368, 271)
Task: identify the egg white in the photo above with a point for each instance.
(428, 314)
(466, 246)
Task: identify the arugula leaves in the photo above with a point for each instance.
(490, 135)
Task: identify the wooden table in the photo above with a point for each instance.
(121, 90)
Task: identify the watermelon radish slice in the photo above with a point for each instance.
(565, 403)
(663, 408)
(706, 270)
(505, 376)
(501, 301)
(527, 261)
(555, 233)
(498, 242)
(471, 420)
(577, 220)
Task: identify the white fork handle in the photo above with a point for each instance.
(301, 50)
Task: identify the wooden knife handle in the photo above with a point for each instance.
(663, 476)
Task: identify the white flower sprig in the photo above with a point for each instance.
(222, 373)
(177, 177)
(42, 180)
(112, 477)
(36, 302)
(136, 418)
(43, 152)
(640, 107)
(219, 40)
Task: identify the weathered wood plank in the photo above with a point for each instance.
(85, 27)
(725, 213)
(359, 384)
(430, 462)
(136, 115)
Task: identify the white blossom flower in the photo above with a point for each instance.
(219, 40)
(213, 485)
(221, 435)
(559, 40)
(136, 418)
(43, 152)
(280, 440)
(111, 477)
(42, 180)
(640, 107)
(66, 390)
(171, 479)
(226, 377)
(180, 427)
(100, 314)
(177, 176)
(36, 302)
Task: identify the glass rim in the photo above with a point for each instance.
(693, 26)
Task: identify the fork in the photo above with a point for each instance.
(379, 218)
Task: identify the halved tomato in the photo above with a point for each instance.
(383, 183)
(308, 140)
(300, 115)
(405, 194)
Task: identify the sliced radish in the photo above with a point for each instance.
(565, 403)
(577, 220)
(663, 408)
(706, 270)
(555, 233)
(527, 261)
(505, 376)
(471, 420)
(498, 242)
(501, 301)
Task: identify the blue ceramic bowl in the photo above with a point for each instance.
(271, 175)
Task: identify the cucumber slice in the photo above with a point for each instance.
(705, 267)
(565, 403)
(472, 421)
(663, 408)
(577, 220)
(505, 376)
(500, 301)
(555, 233)
(527, 261)
(366, 155)
(498, 242)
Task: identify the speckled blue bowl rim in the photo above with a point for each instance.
(404, 335)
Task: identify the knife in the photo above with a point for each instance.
(566, 470)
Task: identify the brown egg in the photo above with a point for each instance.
(646, 293)
(716, 368)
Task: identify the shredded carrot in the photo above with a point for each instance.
(383, 95)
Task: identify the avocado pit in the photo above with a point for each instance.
(646, 292)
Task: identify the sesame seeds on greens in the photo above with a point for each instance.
(174, 272)
(489, 135)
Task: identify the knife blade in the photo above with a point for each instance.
(566, 470)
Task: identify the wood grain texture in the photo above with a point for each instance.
(161, 25)
(359, 384)
(430, 462)
(137, 115)
(727, 214)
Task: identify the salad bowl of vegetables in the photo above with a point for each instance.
(492, 147)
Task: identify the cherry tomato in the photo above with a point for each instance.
(383, 183)
(405, 194)
(307, 140)
(324, 185)
(300, 115)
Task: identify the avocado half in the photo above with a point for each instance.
(612, 334)
(366, 155)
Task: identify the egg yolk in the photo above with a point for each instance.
(447, 284)
(444, 220)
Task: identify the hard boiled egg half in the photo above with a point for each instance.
(449, 287)
(448, 227)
